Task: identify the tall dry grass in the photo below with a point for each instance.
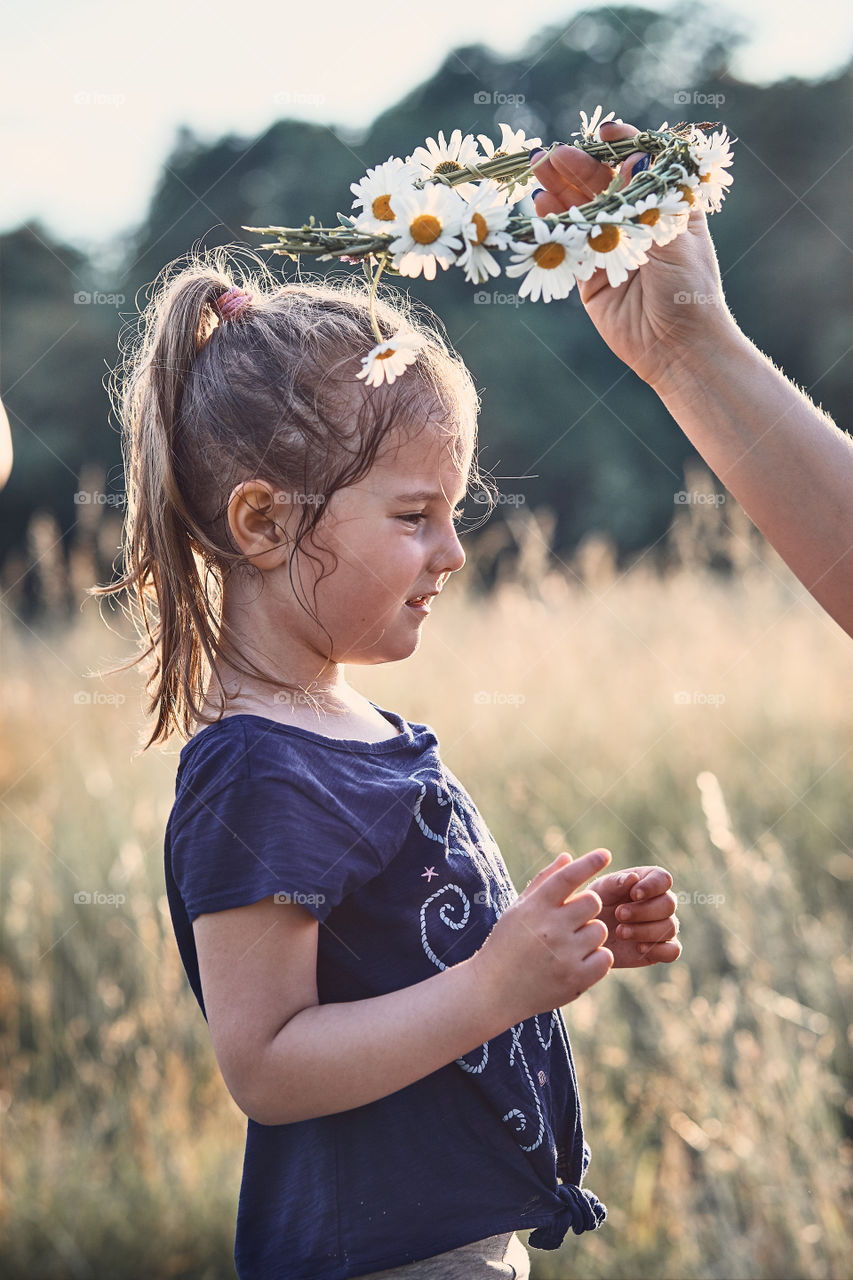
(682, 718)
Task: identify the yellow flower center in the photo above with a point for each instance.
(382, 208)
(605, 238)
(447, 166)
(550, 255)
(649, 217)
(482, 227)
(425, 228)
(704, 177)
(383, 355)
(686, 194)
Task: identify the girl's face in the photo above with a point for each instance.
(393, 538)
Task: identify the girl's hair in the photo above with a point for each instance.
(206, 403)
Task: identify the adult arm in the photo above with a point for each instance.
(783, 459)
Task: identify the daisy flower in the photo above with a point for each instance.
(589, 128)
(429, 223)
(551, 265)
(512, 140)
(612, 243)
(483, 221)
(376, 194)
(713, 156)
(688, 190)
(387, 360)
(663, 215)
(446, 157)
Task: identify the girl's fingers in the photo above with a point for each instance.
(546, 871)
(654, 882)
(653, 931)
(660, 953)
(653, 909)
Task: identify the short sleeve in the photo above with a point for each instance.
(243, 829)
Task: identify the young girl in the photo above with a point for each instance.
(383, 1005)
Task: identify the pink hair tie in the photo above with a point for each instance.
(233, 302)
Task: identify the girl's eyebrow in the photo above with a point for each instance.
(422, 495)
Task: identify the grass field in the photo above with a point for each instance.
(692, 720)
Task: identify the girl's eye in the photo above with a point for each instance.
(416, 516)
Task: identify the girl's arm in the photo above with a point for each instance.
(285, 1057)
(782, 458)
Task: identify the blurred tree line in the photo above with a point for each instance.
(596, 445)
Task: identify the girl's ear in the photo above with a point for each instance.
(257, 518)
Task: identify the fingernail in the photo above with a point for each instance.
(538, 192)
(627, 931)
(642, 164)
(642, 947)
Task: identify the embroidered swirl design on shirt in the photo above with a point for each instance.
(448, 914)
(515, 1114)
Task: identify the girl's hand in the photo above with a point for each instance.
(667, 307)
(639, 912)
(547, 948)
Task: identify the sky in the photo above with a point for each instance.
(94, 91)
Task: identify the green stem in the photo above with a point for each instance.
(382, 261)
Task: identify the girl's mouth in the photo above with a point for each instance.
(419, 603)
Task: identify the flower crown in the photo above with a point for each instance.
(449, 203)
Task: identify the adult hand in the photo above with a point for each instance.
(668, 306)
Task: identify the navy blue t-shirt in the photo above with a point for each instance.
(384, 846)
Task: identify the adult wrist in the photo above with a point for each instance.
(697, 361)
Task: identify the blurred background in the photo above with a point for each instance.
(624, 662)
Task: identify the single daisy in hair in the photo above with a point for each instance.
(512, 141)
(663, 215)
(713, 155)
(482, 228)
(612, 243)
(429, 222)
(388, 359)
(447, 157)
(551, 265)
(376, 194)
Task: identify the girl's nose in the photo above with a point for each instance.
(452, 555)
